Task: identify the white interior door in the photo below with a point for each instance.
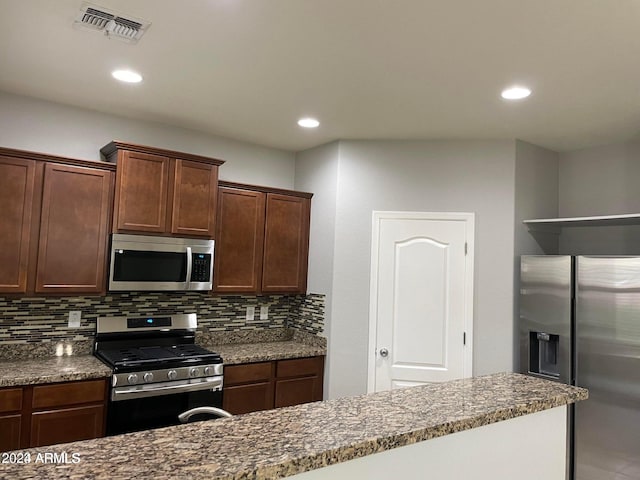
(421, 313)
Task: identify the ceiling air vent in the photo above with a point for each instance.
(112, 24)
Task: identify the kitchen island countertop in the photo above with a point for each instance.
(278, 443)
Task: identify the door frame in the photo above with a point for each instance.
(377, 217)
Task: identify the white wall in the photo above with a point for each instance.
(536, 196)
(457, 176)
(600, 181)
(317, 172)
(41, 126)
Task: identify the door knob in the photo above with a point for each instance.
(384, 352)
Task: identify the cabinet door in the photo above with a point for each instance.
(10, 432)
(248, 387)
(73, 229)
(141, 193)
(248, 398)
(67, 425)
(10, 418)
(299, 381)
(195, 192)
(286, 244)
(295, 391)
(239, 240)
(16, 197)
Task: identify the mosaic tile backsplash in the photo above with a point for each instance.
(45, 319)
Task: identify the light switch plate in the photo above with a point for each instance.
(251, 312)
(264, 312)
(74, 318)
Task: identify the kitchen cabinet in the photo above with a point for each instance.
(17, 189)
(163, 192)
(248, 387)
(40, 415)
(262, 240)
(53, 238)
(10, 418)
(258, 386)
(298, 381)
(76, 207)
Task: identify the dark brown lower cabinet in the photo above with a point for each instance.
(39, 415)
(248, 398)
(258, 386)
(67, 425)
(10, 432)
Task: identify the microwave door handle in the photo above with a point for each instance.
(189, 267)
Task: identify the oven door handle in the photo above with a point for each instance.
(149, 391)
(218, 412)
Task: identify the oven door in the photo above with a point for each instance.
(132, 410)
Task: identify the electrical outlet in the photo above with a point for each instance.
(251, 312)
(264, 312)
(74, 318)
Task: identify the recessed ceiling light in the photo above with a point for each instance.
(515, 93)
(128, 76)
(308, 122)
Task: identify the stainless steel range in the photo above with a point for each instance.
(160, 376)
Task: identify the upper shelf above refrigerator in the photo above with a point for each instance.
(596, 221)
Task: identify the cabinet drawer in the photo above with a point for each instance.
(299, 367)
(10, 400)
(250, 372)
(71, 393)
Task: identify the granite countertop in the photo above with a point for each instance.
(278, 443)
(261, 352)
(51, 370)
(36, 364)
(263, 345)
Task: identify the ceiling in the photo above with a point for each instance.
(367, 69)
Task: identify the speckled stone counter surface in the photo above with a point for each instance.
(51, 370)
(282, 442)
(263, 345)
(30, 364)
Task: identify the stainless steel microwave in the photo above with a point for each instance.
(148, 263)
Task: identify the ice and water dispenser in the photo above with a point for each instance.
(543, 354)
(545, 318)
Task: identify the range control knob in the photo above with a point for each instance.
(208, 371)
(172, 374)
(148, 377)
(132, 379)
(194, 372)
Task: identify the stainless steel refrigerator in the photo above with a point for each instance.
(580, 324)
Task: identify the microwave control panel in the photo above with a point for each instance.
(201, 267)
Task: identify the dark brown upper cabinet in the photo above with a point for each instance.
(76, 207)
(162, 191)
(239, 241)
(262, 240)
(17, 189)
(286, 244)
(55, 223)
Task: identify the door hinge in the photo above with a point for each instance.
(465, 248)
(464, 338)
